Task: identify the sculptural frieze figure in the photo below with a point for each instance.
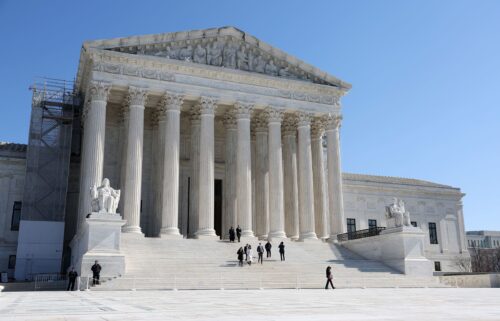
(200, 55)
(105, 199)
(242, 58)
(214, 54)
(271, 68)
(397, 215)
(186, 53)
(229, 55)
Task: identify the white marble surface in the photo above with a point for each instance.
(290, 305)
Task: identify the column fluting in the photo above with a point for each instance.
(94, 130)
(276, 194)
(194, 159)
(136, 100)
(230, 205)
(306, 189)
(318, 165)
(261, 176)
(290, 179)
(171, 108)
(244, 168)
(335, 196)
(206, 169)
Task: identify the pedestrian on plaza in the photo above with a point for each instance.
(72, 275)
(231, 234)
(249, 255)
(282, 251)
(238, 233)
(260, 251)
(329, 277)
(245, 249)
(268, 249)
(240, 256)
(96, 272)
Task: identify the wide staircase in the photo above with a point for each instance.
(154, 263)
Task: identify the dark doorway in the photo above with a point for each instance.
(218, 207)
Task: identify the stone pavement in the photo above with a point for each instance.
(291, 305)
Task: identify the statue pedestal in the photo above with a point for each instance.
(99, 239)
(401, 248)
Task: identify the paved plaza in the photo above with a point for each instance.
(344, 304)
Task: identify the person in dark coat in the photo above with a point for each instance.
(96, 271)
(72, 275)
(268, 249)
(245, 250)
(231, 234)
(260, 251)
(238, 233)
(282, 251)
(329, 277)
(240, 256)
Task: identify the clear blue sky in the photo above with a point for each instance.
(426, 74)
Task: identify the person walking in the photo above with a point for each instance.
(238, 233)
(249, 255)
(260, 251)
(245, 249)
(268, 249)
(240, 256)
(231, 234)
(329, 277)
(96, 272)
(72, 275)
(282, 251)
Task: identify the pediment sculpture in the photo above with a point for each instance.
(105, 199)
(397, 215)
(225, 52)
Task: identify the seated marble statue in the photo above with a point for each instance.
(397, 215)
(105, 199)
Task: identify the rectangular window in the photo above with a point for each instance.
(414, 224)
(351, 225)
(437, 266)
(12, 262)
(433, 233)
(16, 216)
(372, 224)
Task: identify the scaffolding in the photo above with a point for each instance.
(49, 149)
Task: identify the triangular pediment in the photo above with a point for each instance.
(225, 47)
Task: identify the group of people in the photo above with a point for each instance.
(246, 252)
(233, 233)
(73, 275)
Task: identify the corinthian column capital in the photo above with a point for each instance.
(303, 119)
(273, 115)
(208, 105)
(289, 125)
(317, 128)
(243, 110)
(98, 90)
(136, 96)
(332, 121)
(230, 119)
(171, 101)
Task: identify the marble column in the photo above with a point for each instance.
(276, 194)
(261, 177)
(194, 159)
(92, 158)
(171, 108)
(136, 100)
(318, 165)
(206, 170)
(230, 207)
(290, 180)
(244, 168)
(159, 123)
(335, 196)
(305, 174)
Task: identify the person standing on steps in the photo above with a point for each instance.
(249, 255)
(245, 249)
(240, 256)
(72, 275)
(282, 251)
(329, 277)
(96, 272)
(238, 233)
(260, 251)
(231, 234)
(268, 249)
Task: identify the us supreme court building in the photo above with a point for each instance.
(202, 131)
